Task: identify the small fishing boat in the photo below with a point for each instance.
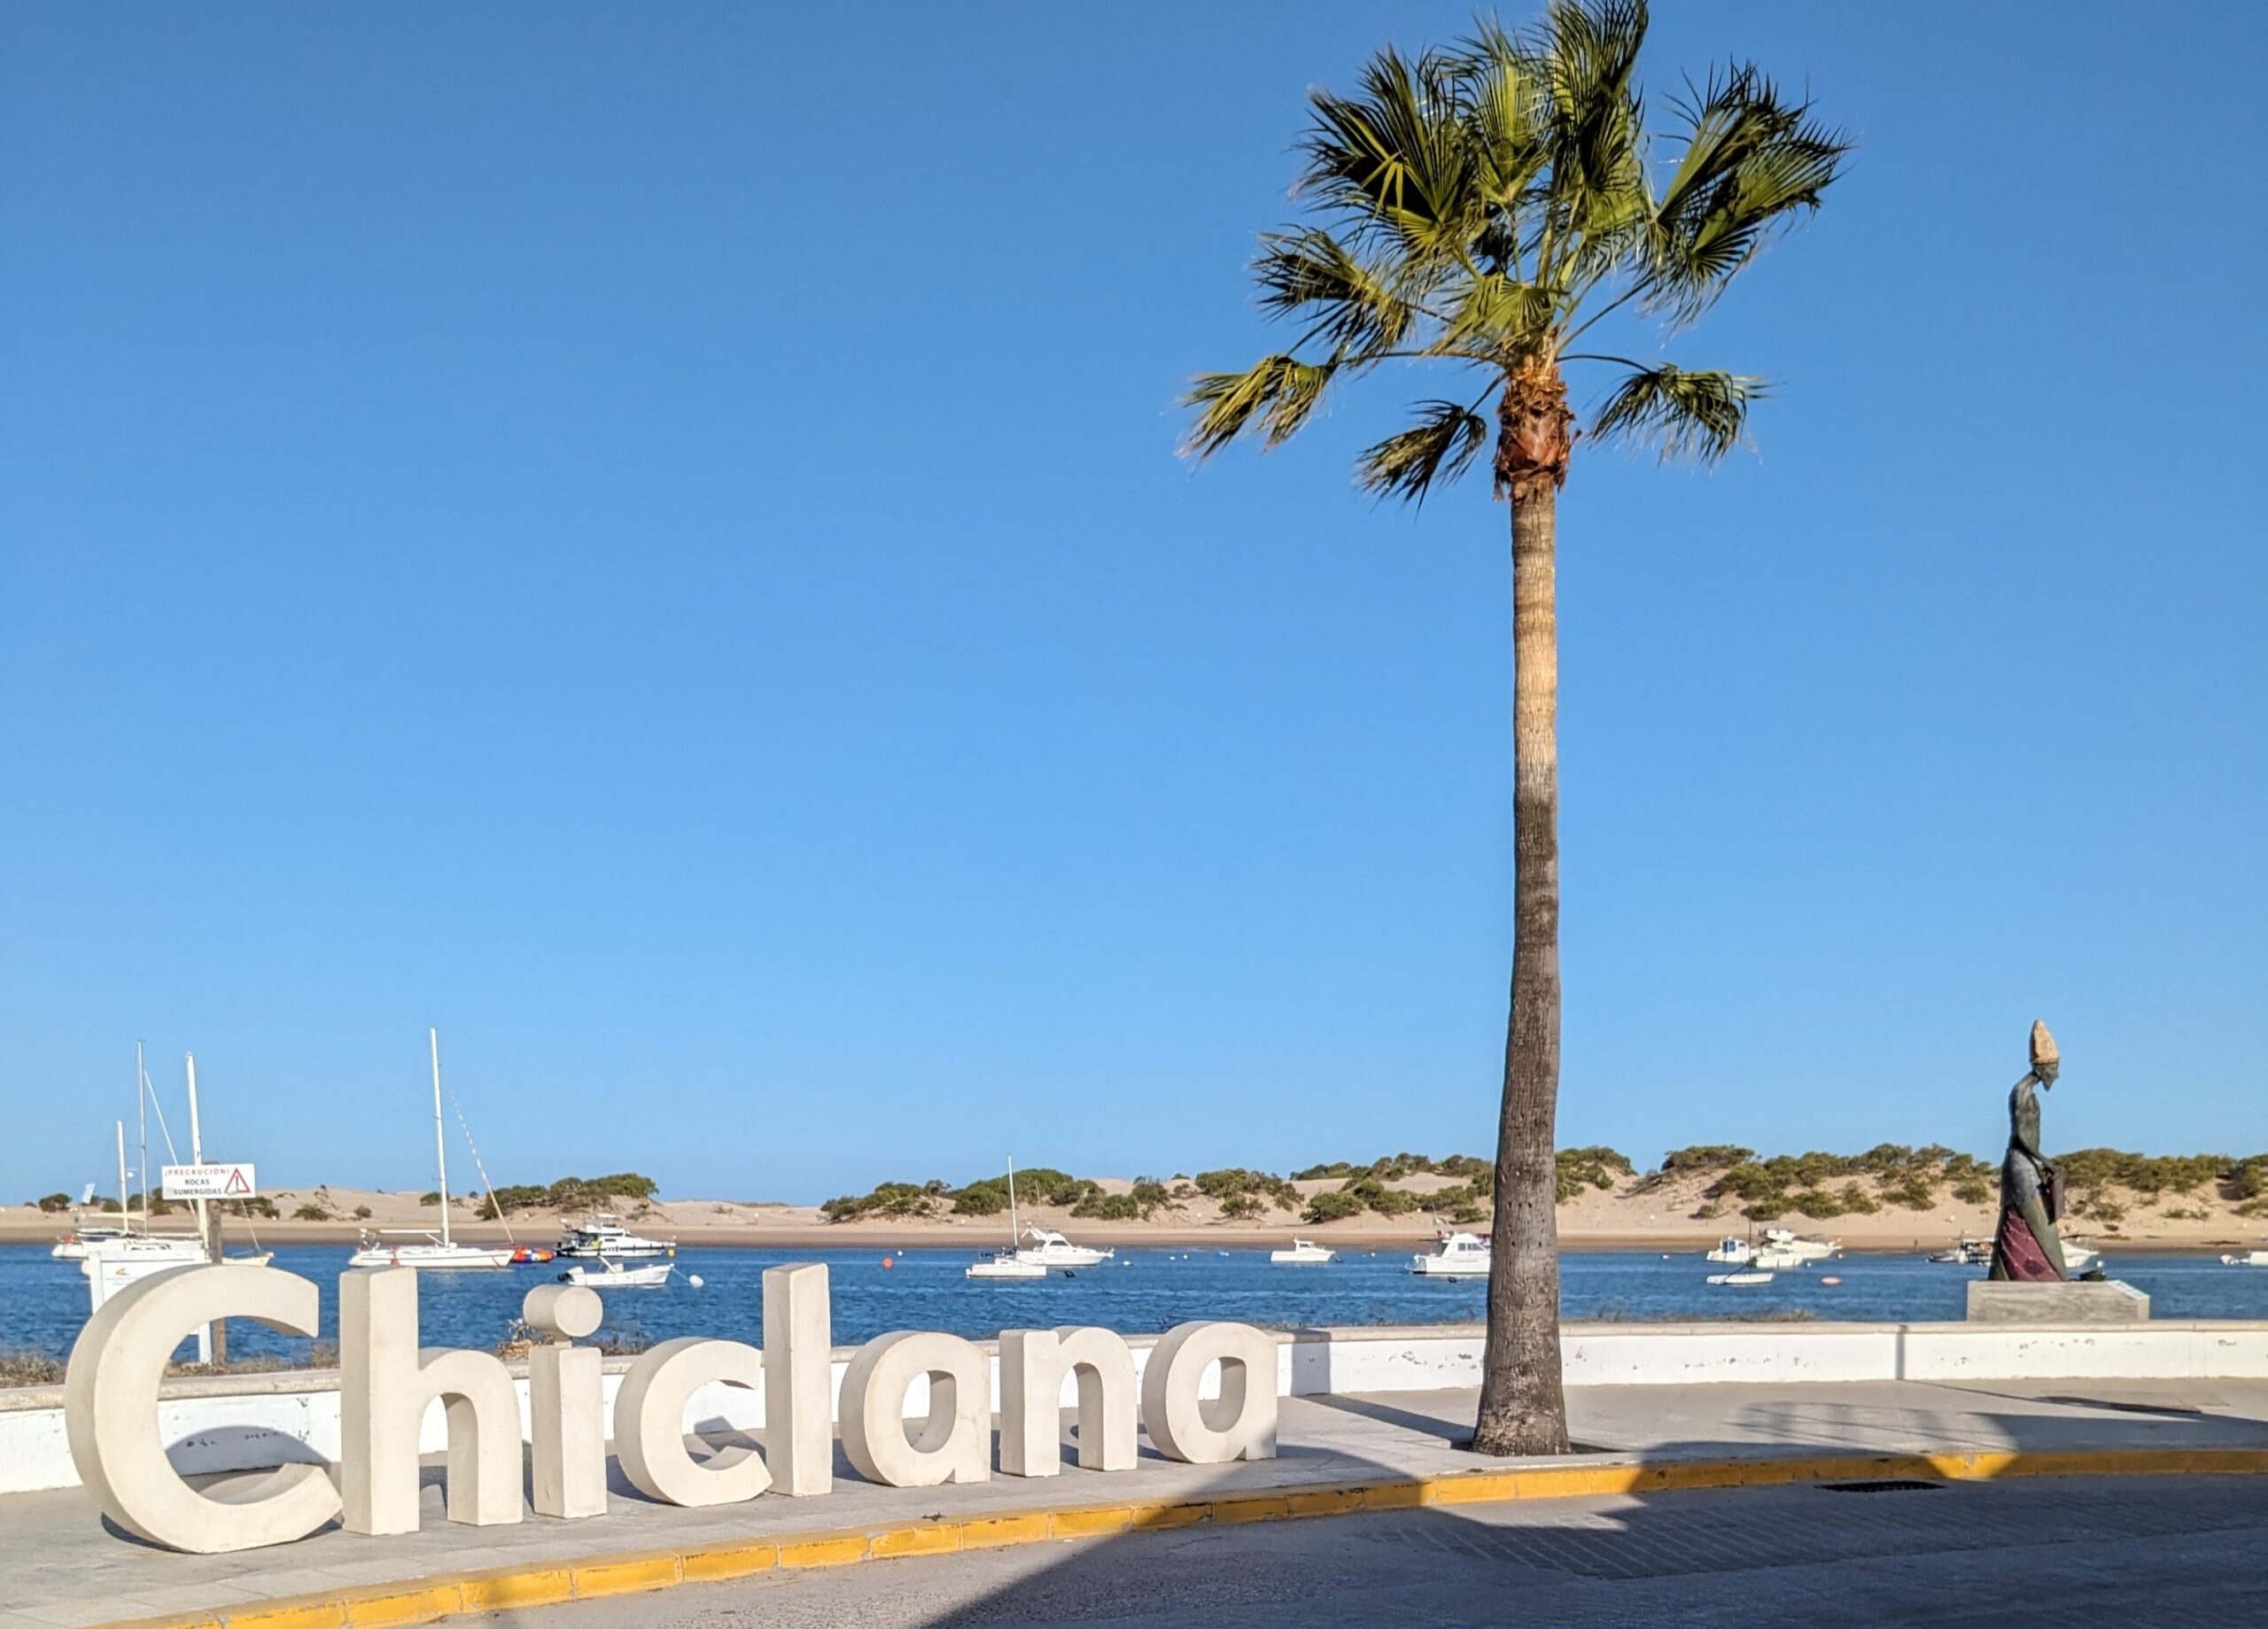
(614, 1276)
(1304, 1252)
(1965, 1252)
(1732, 1251)
(1460, 1255)
(1745, 1275)
(530, 1255)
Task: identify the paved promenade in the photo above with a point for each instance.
(2172, 1552)
(60, 1568)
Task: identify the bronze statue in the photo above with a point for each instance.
(2026, 1247)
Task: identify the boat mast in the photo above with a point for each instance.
(440, 1142)
(125, 1201)
(211, 1236)
(142, 1121)
(1015, 1233)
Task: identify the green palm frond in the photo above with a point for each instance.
(1274, 396)
(1353, 303)
(1495, 315)
(1509, 115)
(1598, 172)
(1392, 160)
(1437, 448)
(1685, 413)
(1751, 162)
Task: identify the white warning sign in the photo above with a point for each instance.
(209, 1182)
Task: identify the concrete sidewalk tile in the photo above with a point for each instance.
(290, 1581)
(79, 1614)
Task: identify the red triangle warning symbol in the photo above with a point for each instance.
(235, 1182)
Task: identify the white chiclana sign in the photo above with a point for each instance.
(209, 1182)
(387, 1383)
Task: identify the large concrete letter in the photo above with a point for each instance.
(566, 1402)
(955, 1444)
(798, 1380)
(1240, 1424)
(1033, 1363)
(385, 1383)
(110, 1412)
(650, 1424)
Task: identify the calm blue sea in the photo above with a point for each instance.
(43, 1302)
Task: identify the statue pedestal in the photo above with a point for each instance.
(2104, 1301)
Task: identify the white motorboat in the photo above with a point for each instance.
(1012, 1263)
(614, 1276)
(1304, 1252)
(1733, 1251)
(1772, 1259)
(1804, 1250)
(1051, 1250)
(1966, 1253)
(2077, 1258)
(1461, 1256)
(440, 1252)
(1745, 1275)
(2253, 1258)
(603, 1237)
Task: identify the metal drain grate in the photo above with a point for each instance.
(1888, 1485)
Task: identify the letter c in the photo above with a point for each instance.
(110, 1412)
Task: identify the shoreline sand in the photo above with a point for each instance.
(1636, 1214)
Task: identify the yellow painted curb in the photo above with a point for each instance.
(413, 1601)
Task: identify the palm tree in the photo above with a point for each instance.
(1484, 207)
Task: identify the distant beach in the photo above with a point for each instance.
(1656, 1211)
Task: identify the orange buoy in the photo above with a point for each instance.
(1830, 1280)
(888, 1262)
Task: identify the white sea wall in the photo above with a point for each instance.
(250, 1422)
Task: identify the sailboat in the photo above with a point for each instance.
(1011, 1263)
(439, 1251)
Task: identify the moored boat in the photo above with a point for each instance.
(1013, 1263)
(440, 1252)
(614, 1276)
(604, 1237)
(1304, 1252)
(1459, 1255)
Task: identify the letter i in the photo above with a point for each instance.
(566, 1410)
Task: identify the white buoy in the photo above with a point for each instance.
(693, 1279)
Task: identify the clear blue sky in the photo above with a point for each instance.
(652, 540)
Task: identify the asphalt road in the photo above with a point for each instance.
(2127, 1552)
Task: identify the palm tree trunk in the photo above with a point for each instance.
(1522, 1406)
